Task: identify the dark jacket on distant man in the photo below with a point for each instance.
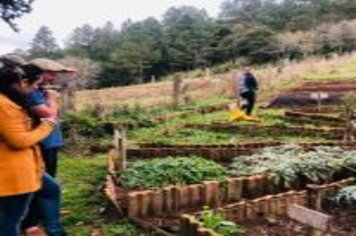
(247, 90)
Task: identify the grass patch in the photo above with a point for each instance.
(346, 70)
(269, 117)
(197, 136)
(147, 134)
(82, 180)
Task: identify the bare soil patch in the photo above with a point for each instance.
(344, 224)
(301, 96)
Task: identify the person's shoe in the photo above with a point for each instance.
(35, 231)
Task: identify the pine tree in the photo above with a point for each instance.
(44, 44)
(12, 9)
(104, 41)
(190, 33)
(81, 41)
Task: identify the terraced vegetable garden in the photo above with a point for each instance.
(159, 190)
(243, 174)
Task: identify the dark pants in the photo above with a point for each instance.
(12, 211)
(50, 157)
(250, 98)
(46, 206)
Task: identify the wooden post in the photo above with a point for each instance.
(350, 124)
(353, 128)
(177, 84)
(319, 102)
(315, 199)
(67, 99)
(64, 100)
(120, 147)
(207, 73)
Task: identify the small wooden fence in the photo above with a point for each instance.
(315, 119)
(268, 205)
(222, 153)
(332, 133)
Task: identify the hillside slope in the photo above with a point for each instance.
(273, 80)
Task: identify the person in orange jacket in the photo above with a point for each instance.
(21, 164)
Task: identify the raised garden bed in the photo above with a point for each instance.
(246, 210)
(330, 86)
(302, 99)
(322, 110)
(250, 145)
(219, 152)
(170, 200)
(213, 130)
(301, 96)
(332, 133)
(246, 145)
(316, 119)
(202, 110)
(253, 214)
(167, 130)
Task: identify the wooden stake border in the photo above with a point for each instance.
(270, 204)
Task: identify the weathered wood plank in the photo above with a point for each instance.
(310, 217)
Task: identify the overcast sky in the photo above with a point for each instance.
(62, 16)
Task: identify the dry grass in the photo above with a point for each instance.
(291, 74)
(272, 80)
(150, 95)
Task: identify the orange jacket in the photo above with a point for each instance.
(21, 165)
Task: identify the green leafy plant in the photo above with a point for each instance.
(171, 171)
(285, 164)
(218, 223)
(84, 124)
(137, 116)
(346, 197)
(123, 228)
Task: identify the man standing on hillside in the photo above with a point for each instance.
(247, 88)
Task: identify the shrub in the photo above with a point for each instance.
(84, 125)
(285, 164)
(136, 117)
(346, 197)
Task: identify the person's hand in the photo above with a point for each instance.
(52, 120)
(52, 95)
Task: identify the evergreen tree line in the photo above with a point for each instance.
(187, 38)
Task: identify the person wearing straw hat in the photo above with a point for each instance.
(45, 104)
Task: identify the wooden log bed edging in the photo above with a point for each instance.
(172, 199)
(220, 152)
(267, 205)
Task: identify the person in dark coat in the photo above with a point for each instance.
(248, 86)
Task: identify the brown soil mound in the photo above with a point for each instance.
(301, 96)
(332, 86)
